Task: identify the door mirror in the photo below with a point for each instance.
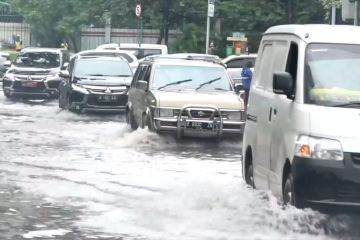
(7, 63)
(65, 65)
(143, 85)
(283, 84)
(238, 87)
(64, 74)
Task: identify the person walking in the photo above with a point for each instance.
(246, 76)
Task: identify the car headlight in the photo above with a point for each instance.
(231, 115)
(319, 148)
(79, 88)
(52, 77)
(9, 77)
(166, 112)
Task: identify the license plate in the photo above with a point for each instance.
(199, 125)
(29, 84)
(107, 98)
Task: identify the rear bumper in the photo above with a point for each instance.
(324, 182)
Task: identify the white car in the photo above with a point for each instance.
(139, 50)
(127, 55)
(235, 64)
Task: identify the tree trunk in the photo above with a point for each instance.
(161, 36)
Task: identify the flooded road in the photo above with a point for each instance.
(69, 176)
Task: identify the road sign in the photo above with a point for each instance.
(211, 8)
(138, 10)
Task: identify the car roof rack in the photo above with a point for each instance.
(187, 56)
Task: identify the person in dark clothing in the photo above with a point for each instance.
(246, 75)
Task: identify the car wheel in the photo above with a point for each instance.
(289, 197)
(130, 119)
(150, 123)
(249, 175)
(143, 121)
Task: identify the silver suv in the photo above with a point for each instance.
(185, 96)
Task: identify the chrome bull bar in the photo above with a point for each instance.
(190, 116)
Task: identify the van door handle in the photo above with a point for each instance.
(270, 113)
(275, 111)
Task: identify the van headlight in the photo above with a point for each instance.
(9, 77)
(319, 148)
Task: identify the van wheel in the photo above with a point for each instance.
(288, 192)
(130, 119)
(249, 175)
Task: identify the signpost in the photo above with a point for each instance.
(138, 12)
(211, 10)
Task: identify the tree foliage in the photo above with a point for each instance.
(53, 21)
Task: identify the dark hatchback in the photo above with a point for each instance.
(95, 84)
(35, 73)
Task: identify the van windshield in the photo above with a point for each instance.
(332, 74)
(143, 52)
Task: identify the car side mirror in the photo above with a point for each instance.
(7, 63)
(238, 87)
(65, 65)
(283, 84)
(64, 74)
(143, 85)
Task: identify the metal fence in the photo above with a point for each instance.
(93, 37)
(9, 30)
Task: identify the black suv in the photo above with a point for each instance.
(93, 83)
(35, 73)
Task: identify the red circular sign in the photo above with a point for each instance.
(138, 10)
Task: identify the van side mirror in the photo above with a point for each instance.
(283, 84)
(64, 74)
(7, 63)
(143, 85)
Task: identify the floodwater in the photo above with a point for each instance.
(70, 176)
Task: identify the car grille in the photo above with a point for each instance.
(40, 86)
(355, 158)
(7, 83)
(201, 114)
(348, 192)
(76, 97)
(53, 84)
(121, 101)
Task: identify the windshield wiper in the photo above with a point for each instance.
(175, 83)
(352, 104)
(207, 83)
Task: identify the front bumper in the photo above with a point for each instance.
(324, 182)
(43, 89)
(212, 124)
(90, 103)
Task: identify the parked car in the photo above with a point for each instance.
(302, 135)
(140, 50)
(4, 58)
(184, 96)
(235, 64)
(35, 73)
(95, 84)
(128, 55)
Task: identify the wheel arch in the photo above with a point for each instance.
(285, 173)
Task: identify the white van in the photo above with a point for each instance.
(302, 134)
(139, 50)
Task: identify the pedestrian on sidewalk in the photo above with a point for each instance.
(246, 76)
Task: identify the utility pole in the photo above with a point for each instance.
(167, 21)
(356, 13)
(333, 14)
(107, 18)
(210, 13)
